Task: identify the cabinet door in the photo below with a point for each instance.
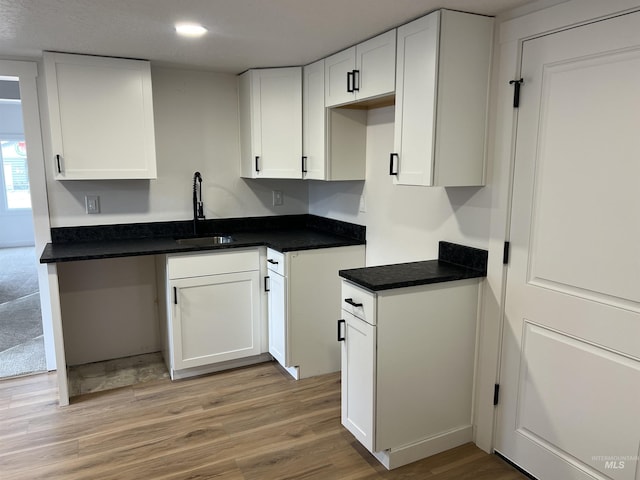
(277, 298)
(101, 115)
(416, 74)
(277, 122)
(336, 69)
(313, 122)
(376, 66)
(359, 379)
(215, 318)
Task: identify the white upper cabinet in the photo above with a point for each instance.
(101, 114)
(271, 123)
(313, 122)
(361, 72)
(333, 139)
(443, 65)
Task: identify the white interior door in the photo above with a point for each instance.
(570, 372)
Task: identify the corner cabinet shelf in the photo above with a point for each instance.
(271, 123)
(101, 114)
(333, 139)
(442, 78)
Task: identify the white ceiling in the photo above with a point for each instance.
(242, 33)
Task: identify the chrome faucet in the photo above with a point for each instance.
(198, 205)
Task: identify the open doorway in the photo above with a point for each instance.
(21, 333)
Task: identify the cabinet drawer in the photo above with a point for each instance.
(200, 264)
(358, 302)
(275, 261)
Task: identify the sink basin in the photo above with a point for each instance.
(206, 241)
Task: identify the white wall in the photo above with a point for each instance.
(404, 223)
(196, 123)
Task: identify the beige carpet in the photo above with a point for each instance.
(22, 359)
(21, 344)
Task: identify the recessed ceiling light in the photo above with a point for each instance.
(190, 29)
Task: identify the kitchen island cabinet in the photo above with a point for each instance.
(101, 114)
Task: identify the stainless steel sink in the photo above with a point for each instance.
(206, 241)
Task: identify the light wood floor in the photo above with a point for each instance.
(252, 423)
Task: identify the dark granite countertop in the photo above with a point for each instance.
(283, 233)
(455, 262)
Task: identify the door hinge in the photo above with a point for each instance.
(516, 91)
(496, 394)
(505, 253)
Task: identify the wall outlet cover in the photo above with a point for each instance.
(92, 203)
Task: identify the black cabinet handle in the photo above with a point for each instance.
(266, 285)
(304, 164)
(272, 261)
(58, 163)
(350, 82)
(352, 303)
(356, 80)
(257, 166)
(391, 157)
(340, 330)
(175, 296)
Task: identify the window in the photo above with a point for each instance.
(14, 174)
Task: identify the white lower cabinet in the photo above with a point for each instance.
(213, 311)
(407, 368)
(301, 286)
(358, 378)
(277, 299)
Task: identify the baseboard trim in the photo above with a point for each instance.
(398, 457)
(218, 367)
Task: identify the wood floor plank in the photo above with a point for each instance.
(246, 424)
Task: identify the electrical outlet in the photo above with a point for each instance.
(92, 203)
(278, 198)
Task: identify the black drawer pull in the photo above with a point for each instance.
(352, 303)
(266, 284)
(340, 331)
(393, 171)
(271, 261)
